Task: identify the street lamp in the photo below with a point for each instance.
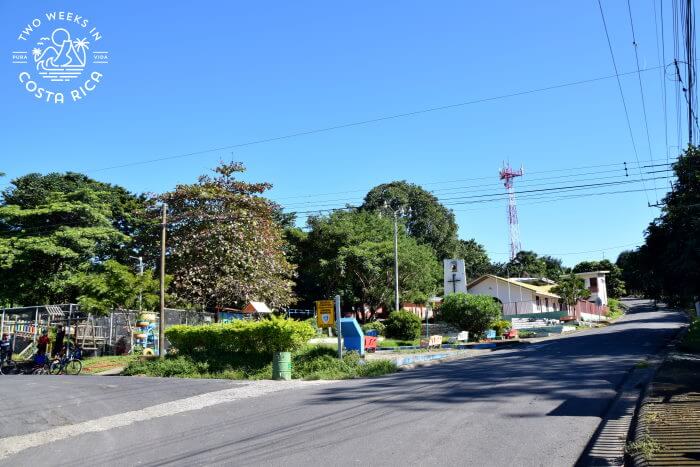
(396, 260)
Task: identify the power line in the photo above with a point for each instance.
(621, 167)
(477, 189)
(662, 61)
(494, 197)
(622, 96)
(374, 120)
(641, 87)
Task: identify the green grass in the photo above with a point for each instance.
(647, 447)
(94, 365)
(397, 343)
(691, 341)
(312, 362)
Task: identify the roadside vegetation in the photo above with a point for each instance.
(244, 350)
(615, 310)
(691, 341)
(311, 362)
(647, 447)
(93, 365)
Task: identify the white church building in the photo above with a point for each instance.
(517, 295)
(527, 295)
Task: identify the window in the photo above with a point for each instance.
(537, 303)
(546, 304)
(593, 287)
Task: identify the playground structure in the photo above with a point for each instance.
(94, 334)
(25, 324)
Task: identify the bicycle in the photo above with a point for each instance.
(66, 364)
(7, 366)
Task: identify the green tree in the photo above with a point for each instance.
(553, 268)
(369, 267)
(114, 286)
(476, 260)
(44, 245)
(526, 264)
(425, 218)
(351, 253)
(571, 289)
(225, 245)
(123, 209)
(670, 257)
(403, 325)
(467, 312)
(633, 275)
(614, 282)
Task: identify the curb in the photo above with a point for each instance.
(619, 424)
(637, 430)
(117, 371)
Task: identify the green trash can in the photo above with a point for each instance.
(282, 366)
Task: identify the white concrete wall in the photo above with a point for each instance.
(602, 287)
(515, 299)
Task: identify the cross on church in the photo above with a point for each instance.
(454, 281)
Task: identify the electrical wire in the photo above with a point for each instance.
(622, 95)
(641, 87)
(373, 120)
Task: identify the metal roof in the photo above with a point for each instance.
(539, 289)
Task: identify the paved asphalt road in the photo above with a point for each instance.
(532, 405)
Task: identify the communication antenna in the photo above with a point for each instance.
(507, 174)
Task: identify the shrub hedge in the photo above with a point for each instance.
(403, 325)
(374, 326)
(473, 313)
(255, 337)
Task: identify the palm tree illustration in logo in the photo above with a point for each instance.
(64, 59)
(81, 45)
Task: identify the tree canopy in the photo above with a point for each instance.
(614, 281)
(571, 289)
(667, 266)
(351, 253)
(225, 246)
(476, 260)
(425, 218)
(46, 240)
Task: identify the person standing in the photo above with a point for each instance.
(58, 343)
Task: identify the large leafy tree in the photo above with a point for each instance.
(123, 209)
(114, 286)
(669, 261)
(351, 253)
(225, 243)
(614, 281)
(45, 242)
(425, 218)
(526, 264)
(633, 274)
(476, 260)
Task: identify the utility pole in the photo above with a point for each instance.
(338, 327)
(161, 325)
(396, 260)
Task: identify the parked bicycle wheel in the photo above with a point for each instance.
(73, 367)
(8, 368)
(41, 370)
(55, 367)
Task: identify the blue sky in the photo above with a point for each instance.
(186, 77)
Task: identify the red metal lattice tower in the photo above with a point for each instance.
(507, 174)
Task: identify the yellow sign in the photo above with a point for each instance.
(325, 313)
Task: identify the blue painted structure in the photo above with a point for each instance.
(353, 337)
